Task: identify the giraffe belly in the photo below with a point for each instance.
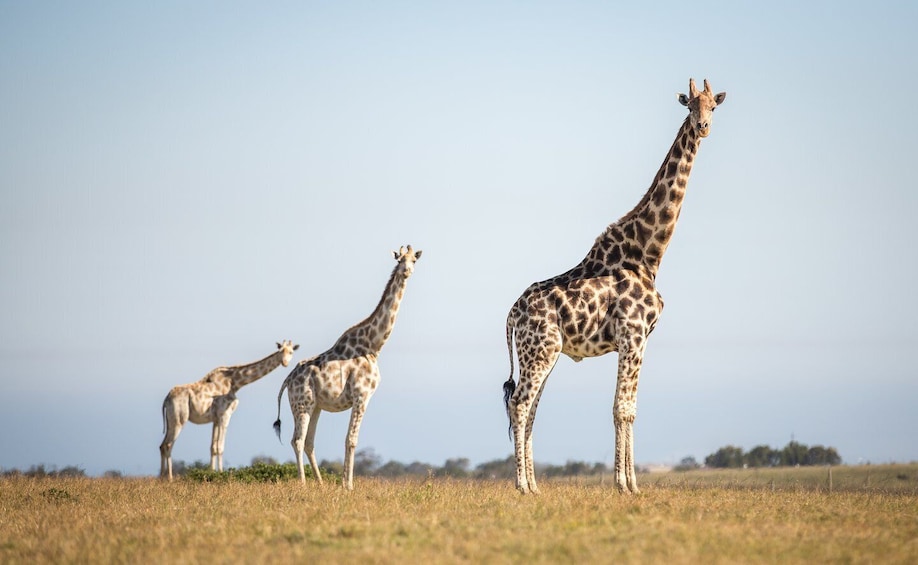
(337, 404)
(202, 416)
(578, 350)
(597, 339)
(201, 409)
(333, 394)
(342, 382)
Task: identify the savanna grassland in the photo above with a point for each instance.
(787, 516)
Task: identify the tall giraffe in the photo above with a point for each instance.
(606, 303)
(345, 376)
(213, 399)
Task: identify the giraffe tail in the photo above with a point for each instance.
(509, 384)
(277, 426)
(277, 423)
(165, 401)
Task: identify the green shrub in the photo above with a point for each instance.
(258, 472)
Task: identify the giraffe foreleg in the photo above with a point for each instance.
(214, 439)
(624, 411)
(350, 445)
(221, 425)
(625, 480)
(631, 477)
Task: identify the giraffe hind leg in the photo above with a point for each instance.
(300, 424)
(530, 464)
(173, 428)
(165, 460)
(519, 415)
(311, 444)
(522, 416)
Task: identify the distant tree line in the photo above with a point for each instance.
(793, 454)
(368, 464)
(39, 471)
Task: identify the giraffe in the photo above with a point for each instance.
(213, 399)
(345, 376)
(606, 303)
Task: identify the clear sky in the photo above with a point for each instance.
(184, 184)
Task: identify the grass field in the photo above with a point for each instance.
(787, 516)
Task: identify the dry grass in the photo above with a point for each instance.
(133, 520)
(885, 478)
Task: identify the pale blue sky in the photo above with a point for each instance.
(181, 186)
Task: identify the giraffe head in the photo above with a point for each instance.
(406, 258)
(287, 348)
(701, 106)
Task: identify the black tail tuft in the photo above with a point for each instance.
(509, 387)
(277, 430)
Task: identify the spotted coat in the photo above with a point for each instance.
(607, 303)
(344, 377)
(213, 400)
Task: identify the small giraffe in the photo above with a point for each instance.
(213, 399)
(345, 376)
(606, 303)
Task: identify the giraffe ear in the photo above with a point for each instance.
(719, 97)
(682, 98)
(395, 255)
(417, 255)
(278, 344)
(295, 347)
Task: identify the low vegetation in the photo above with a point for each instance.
(793, 454)
(749, 516)
(258, 472)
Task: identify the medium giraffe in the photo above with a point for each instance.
(345, 376)
(606, 303)
(213, 399)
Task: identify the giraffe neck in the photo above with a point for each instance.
(242, 375)
(641, 236)
(371, 334)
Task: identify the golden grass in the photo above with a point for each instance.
(444, 521)
(898, 478)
